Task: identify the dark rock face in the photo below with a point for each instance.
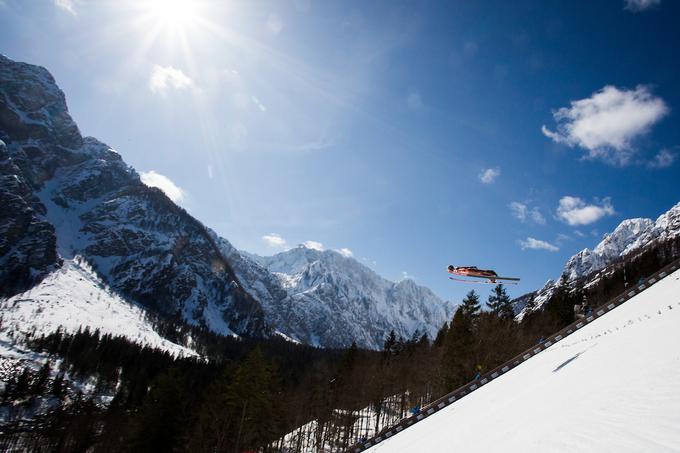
(27, 243)
(64, 195)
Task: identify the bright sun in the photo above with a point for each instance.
(172, 14)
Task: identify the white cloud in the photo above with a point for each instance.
(345, 252)
(274, 240)
(607, 123)
(66, 5)
(414, 101)
(210, 171)
(274, 24)
(663, 159)
(259, 104)
(164, 78)
(639, 5)
(575, 211)
(313, 245)
(406, 276)
(522, 213)
(488, 175)
(172, 190)
(537, 244)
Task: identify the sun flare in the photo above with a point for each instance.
(172, 14)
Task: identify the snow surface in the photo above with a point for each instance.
(74, 297)
(612, 386)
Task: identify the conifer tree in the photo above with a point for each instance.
(471, 305)
(390, 344)
(499, 303)
(58, 387)
(40, 383)
(458, 346)
(22, 384)
(561, 306)
(441, 335)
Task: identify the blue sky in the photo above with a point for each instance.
(413, 135)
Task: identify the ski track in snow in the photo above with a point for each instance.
(612, 386)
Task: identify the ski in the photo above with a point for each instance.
(512, 279)
(483, 281)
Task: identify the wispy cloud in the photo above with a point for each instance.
(664, 159)
(172, 190)
(66, 5)
(406, 276)
(562, 238)
(537, 244)
(607, 123)
(575, 211)
(489, 175)
(523, 213)
(639, 5)
(274, 240)
(314, 145)
(345, 252)
(259, 104)
(164, 78)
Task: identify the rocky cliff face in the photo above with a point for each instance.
(324, 298)
(65, 195)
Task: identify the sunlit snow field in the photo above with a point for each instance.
(71, 298)
(613, 386)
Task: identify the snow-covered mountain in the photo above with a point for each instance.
(631, 236)
(63, 194)
(321, 297)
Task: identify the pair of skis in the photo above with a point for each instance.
(505, 281)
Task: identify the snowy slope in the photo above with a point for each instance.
(610, 387)
(324, 298)
(74, 297)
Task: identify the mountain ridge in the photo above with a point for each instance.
(629, 237)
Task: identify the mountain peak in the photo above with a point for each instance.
(325, 298)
